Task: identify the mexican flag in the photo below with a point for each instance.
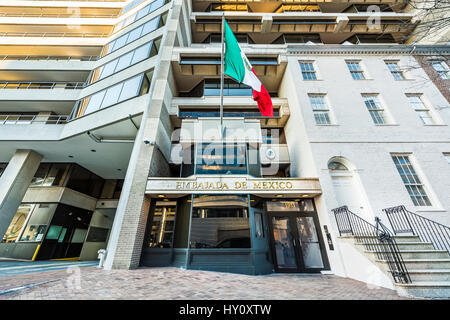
(239, 68)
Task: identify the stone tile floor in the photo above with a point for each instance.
(173, 283)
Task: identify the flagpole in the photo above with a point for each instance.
(222, 75)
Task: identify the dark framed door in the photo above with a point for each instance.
(296, 242)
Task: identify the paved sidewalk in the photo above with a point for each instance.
(174, 283)
(11, 268)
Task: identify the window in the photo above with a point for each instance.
(320, 109)
(308, 71)
(355, 70)
(17, 223)
(220, 222)
(230, 88)
(118, 93)
(227, 7)
(132, 35)
(411, 180)
(50, 174)
(140, 14)
(149, 49)
(216, 158)
(163, 225)
(415, 101)
(37, 224)
(395, 70)
(2, 168)
(375, 109)
(441, 68)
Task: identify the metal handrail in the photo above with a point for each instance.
(54, 34)
(404, 221)
(377, 239)
(41, 85)
(50, 58)
(29, 119)
(57, 15)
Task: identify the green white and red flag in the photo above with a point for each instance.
(240, 69)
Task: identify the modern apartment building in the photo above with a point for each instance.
(110, 137)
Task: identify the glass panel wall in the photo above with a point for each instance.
(2, 168)
(163, 225)
(84, 181)
(37, 224)
(220, 222)
(140, 14)
(216, 158)
(17, 223)
(133, 35)
(118, 93)
(137, 55)
(50, 174)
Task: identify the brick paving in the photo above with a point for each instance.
(174, 283)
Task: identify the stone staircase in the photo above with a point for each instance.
(428, 268)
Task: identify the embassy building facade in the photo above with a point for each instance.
(110, 138)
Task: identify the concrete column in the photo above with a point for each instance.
(14, 183)
(127, 234)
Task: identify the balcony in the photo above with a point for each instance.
(207, 130)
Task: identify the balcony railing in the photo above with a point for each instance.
(30, 119)
(42, 85)
(56, 15)
(50, 58)
(54, 34)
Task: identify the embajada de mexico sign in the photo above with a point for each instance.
(233, 184)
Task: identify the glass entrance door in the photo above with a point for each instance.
(297, 246)
(283, 244)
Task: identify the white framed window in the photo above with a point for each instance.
(395, 70)
(355, 70)
(416, 102)
(320, 108)
(308, 71)
(411, 180)
(375, 108)
(441, 68)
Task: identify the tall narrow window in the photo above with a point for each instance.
(320, 108)
(395, 70)
(355, 70)
(411, 180)
(375, 109)
(442, 69)
(415, 101)
(308, 71)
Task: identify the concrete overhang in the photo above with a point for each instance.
(256, 24)
(187, 75)
(49, 71)
(232, 184)
(280, 104)
(59, 195)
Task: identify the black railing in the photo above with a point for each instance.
(375, 238)
(404, 221)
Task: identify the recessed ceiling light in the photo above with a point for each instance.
(119, 169)
(279, 195)
(93, 150)
(70, 156)
(160, 196)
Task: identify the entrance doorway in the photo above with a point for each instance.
(296, 241)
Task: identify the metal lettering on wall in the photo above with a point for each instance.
(202, 186)
(231, 184)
